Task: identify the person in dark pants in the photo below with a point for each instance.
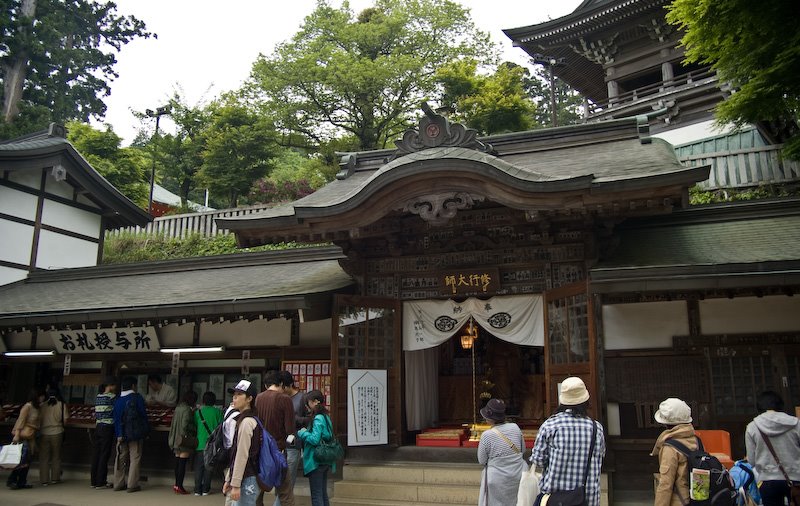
(103, 441)
(207, 418)
(782, 431)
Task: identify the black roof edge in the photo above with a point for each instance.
(723, 211)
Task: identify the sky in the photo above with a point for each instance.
(203, 50)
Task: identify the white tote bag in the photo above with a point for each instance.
(10, 456)
(528, 487)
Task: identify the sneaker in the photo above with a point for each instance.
(119, 489)
(55, 482)
(134, 489)
(198, 494)
(206, 493)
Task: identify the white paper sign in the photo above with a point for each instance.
(176, 362)
(105, 340)
(367, 404)
(67, 364)
(245, 362)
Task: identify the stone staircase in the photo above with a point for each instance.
(408, 483)
(417, 484)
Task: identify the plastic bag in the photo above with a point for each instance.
(528, 487)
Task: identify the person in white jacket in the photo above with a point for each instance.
(783, 432)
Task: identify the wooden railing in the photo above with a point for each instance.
(648, 92)
(744, 167)
(183, 225)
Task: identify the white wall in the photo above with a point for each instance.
(750, 315)
(276, 332)
(644, 325)
(9, 275)
(58, 251)
(17, 203)
(71, 218)
(16, 242)
(31, 178)
(60, 188)
(692, 133)
(315, 333)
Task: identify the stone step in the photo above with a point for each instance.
(404, 493)
(452, 474)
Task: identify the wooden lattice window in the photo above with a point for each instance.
(568, 330)
(737, 381)
(366, 337)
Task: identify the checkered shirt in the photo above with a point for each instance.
(561, 449)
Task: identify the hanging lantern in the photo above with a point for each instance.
(471, 334)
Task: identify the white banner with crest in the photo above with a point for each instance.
(517, 319)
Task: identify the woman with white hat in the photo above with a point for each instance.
(673, 468)
(500, 452)
(570, 447)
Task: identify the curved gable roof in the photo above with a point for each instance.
(561, 168)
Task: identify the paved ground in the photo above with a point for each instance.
(74, 493)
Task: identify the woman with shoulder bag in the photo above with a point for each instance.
(183, 437)
(24, 432)
(320, 430)
(52, 437)
(500, 452)
(773, 449)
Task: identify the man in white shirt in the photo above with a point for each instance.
(159, 393)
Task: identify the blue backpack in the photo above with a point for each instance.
(271, 461)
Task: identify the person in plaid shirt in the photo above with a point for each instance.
(563, 443)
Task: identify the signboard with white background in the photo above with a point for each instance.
(367, 422)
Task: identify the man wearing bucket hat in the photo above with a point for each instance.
(570, 447)
(500, 452)
(673, 468)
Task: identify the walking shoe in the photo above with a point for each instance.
(198, 494)
(134, 489)
(120, 489)
(206, 493)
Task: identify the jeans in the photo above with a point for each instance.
(249, 493)
(774, 493)
(318, 482)
(202, 475)
(292, 461)
(101, 452)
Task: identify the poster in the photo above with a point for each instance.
(367, 404)
(311, 375)
(216, 384)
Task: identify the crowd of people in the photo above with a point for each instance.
(570, 446)
(297, 421)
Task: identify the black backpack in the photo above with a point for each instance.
(722, 491)
(134, 424)
(216, 456)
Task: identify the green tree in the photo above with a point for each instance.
(240, 145)
(124, 168)
(57, 58)
(180, 155)
(295, 175)
(755, 46)
(569, 103)
(490, 104)
(364, 75)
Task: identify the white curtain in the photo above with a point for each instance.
(422, 388)
(517, 319)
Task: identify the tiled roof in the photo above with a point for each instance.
(267, 281)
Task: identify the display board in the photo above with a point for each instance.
(311, 375)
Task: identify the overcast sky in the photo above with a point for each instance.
(206, 47)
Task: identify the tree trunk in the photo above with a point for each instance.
(14, 72)
(185, 187)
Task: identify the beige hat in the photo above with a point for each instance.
(673, 411)
(573, 392)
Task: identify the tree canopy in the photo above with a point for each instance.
(364, 75)
(490, 104)
(125, 168)
(754, 46)
(57, 58)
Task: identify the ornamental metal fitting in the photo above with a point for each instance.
(436, 131)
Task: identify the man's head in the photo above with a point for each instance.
(286, 379)
(769, 401)
(128, 383)
(154, 382)
(272, 380)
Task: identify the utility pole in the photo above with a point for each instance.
(157, 115)
(551, 62)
